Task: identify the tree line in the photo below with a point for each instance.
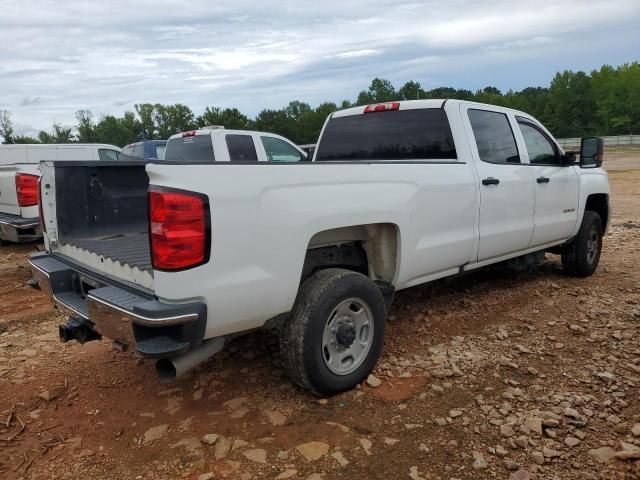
(576, 104)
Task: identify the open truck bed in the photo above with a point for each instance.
(100, 217)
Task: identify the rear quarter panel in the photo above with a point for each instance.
(263, 217)
(8, 193)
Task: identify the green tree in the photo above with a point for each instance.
(171, 119)
(449, 92)
(275, 121)
(25, 139)
(382, 90)
(411, 91)
(118, 131)
(572, 107)
(314, 121)
(145, 113)
(364, 98)
(59, 134)
(6, 126)
(604, 102)
(230, 118)
(45, 137)
(617, 98)
(86, 127)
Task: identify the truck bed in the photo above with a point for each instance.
(101, 216)
(131, 249)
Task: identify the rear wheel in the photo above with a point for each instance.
(335, 333)
(581, 257)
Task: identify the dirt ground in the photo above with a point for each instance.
(499, 374)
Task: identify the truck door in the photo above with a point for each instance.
(506, 183)
(556, 186)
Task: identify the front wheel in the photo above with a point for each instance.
(335, 333)
(581, 257)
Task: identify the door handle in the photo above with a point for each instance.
(542, 180)
(490, 181)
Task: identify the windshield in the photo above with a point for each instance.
(419, 134)
(197, 148)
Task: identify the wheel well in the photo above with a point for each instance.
(599, 203)
(368, 249)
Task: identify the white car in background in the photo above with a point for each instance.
(19, 176)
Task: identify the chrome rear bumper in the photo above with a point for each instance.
(132, 318)
(14, 228)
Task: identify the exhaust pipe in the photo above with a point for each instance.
(171, 368)
(76, 329)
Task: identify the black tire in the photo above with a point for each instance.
(301, 339)
(580, 258)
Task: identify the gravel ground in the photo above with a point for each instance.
(499, 374)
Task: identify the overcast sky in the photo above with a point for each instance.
(59, 56)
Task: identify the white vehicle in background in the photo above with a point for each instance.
(19, 176)
(237, 231)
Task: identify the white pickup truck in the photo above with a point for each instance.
(19, 176)
(237, 231)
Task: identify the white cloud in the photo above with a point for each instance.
(106, 55)
(366, 52)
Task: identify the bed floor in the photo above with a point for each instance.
(132, 249)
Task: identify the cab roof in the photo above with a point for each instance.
(426, 103)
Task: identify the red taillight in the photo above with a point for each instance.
(382, 107)
(27, 188)
(179, 229)
(192, 133)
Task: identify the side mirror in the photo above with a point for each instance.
(591, 149)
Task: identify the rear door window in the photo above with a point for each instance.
(494, 137)
(419, 134)
(241, 148)
(278, 150)
(160, 151)
(105, 154)
(193, 149)
(138, 150)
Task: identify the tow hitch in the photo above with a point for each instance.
(76, 329)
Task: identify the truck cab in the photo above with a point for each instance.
(215, 144)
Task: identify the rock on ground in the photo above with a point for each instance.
(155, 433)
(312, 451)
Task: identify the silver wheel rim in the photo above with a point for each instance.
(347, 337)
(593, 243)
